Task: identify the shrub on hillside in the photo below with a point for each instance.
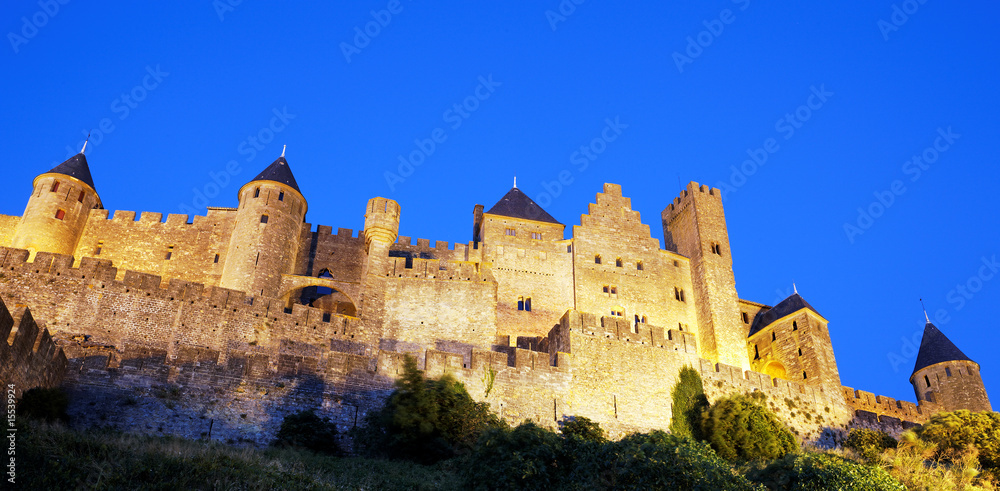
(739, 427)
(526, 457)
(531, 457)
(952, 432)
(307, 430)
(816, 471)
(655, 460)
(688, 397)
(914, 464)
(44, 404)
(425, 420)
(581, 427)
(869, 444)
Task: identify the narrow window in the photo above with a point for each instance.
(643, 319)
(326, 317)
(281, 196)
(607, 289)
(511, 232)
(637, 320)
(263, 219)
(756, 353)
(680, 327)
(60, 214)
(676, 264)
(569, 248)
(170, 252)
(947, 371)
(520, 303)
(774, 337)
(100, 245)
(80, 198)
(795, 326)
(618, 262)
(746, 318)
(800, 351)
(614, 290)
(927, 381)
(804, 375)
(216, 261)
(536, 235)
(677, 293)
(638, 265)
(55, 186)
(597, 259)
(256, 192)
(527, 304)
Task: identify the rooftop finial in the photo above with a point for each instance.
(283, 147)
(795, 288)
(84, 149)
(515, 181)
(925, 311)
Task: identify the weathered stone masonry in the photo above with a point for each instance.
(221, 325)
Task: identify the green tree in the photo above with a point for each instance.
(739, 427)
(582, 428)
(688, 396)
(819, 472)
(307, 430)
(425, 420)
(953, 432)
(869, 444)
(526, 457)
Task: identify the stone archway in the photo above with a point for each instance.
(341, 300)
(776, 370)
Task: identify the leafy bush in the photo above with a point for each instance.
(531, 457)
(688, 396)
(740, 428)
(914, 464)
(817, 471)
(869, 444)
(45, 404)
(655, 460)
(526, 457)
(582, 428)
(425, 420)
(952, 432)
(307, 430)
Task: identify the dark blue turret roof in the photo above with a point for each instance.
(76, 167)
(935, 348)
(278, 171)
(516, 204)
(790, 305)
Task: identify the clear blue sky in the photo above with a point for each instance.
(180, 89)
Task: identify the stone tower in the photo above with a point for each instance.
(61, 200)
(944, 376)
(381, 230)
(266, 232)
(694, 225)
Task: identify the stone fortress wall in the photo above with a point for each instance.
(28, 355)
(538, 326)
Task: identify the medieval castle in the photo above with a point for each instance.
(233, 320)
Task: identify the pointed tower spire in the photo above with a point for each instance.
(515, 181)
(278, 171)
(283, 147)
(925, 311)
(84, 149)
(795, 288)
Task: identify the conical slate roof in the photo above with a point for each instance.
(790, 305)
(278, 171)
(75, 167)
(935, 347)
(516, 204)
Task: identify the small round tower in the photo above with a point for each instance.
(381, 222)
(945, 377)
(57, 211)
(265, 239)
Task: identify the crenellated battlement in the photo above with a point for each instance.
(99, 276)
(30, 358)
(435, 269)
(861, 400)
